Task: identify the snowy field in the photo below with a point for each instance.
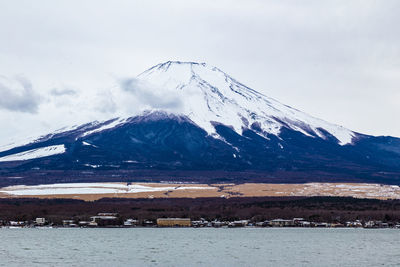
(83, 190)
(91, 188)
(355, 190)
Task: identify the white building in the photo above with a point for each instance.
(40, 221)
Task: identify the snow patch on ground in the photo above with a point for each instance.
(351, 190)
(91, 188)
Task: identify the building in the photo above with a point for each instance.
(336, 225)
(241, 223)
(83, 223)
(304, 224)
(173, 222)
(103, 220)
(69, 223)
(40, 221)
(108, 214)
(218, 224)
(93, 224)
(370, 224)
(320, 224)
(298, 221)
(356, 223)
(281, 223)
(201, 223)
(131, 222)
(18, 223)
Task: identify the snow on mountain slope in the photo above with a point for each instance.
(12, 144)
(35, 153)
(22, 141)
(111, 124)
(79, 130)
(210, 95)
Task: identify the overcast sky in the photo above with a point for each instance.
(61, 61)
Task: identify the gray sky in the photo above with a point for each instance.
(62, 61)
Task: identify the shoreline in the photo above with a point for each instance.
(224, 227)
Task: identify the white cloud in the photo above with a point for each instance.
(18, 95)
(148, 97)
(63, 92)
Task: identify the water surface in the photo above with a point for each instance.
(200, 247)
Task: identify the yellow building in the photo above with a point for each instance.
(173, 222)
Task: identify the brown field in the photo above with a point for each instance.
(357, 190)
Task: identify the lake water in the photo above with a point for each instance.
(200, 247)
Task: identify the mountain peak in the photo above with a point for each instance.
(210, 95)
(166, 65)
(177, 71)
(169, 66)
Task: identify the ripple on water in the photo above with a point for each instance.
(202, 247)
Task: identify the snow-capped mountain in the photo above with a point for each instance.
(210, 95)
(216, 126)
